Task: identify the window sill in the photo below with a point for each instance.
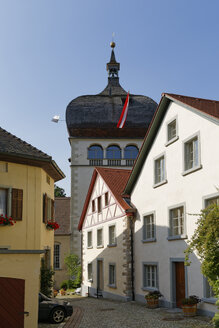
(112, 245)
(89, 247)
(112, 286)
(181, 237)
(57, 269)
(193, 169)
(210, 300)
(149, 240)
(171, 141)
(100, 246)
(160, 183)
(149, 289)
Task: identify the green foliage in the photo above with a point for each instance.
(46, 279)
(73, 264)
(205, 241)
(59, 192)
(153, 295)
(67, 284)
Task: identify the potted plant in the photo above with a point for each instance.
(189, 305)
(55, 292)
(152, 299)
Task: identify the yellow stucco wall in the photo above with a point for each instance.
(31, 232)
(28, 234)
(27, 267)
(62, 274)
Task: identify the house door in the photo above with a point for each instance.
(100, 274)
(180, 282)
(12, 303)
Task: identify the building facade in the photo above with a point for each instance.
(175, 176)
(27, 178)
(96, 141)
(61, 239)
(106, 224)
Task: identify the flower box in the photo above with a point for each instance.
(6, 221)
(52, 225)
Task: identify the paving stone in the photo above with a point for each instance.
(92, 313)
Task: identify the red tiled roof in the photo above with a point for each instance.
(207, 106)
(115, 179)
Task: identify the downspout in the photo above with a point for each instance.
(132, 257)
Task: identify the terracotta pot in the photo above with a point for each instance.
(55, 293)
(189, 310)
(152, 303)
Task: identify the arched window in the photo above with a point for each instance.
(113, 154)
(131, 153)
(95, 155)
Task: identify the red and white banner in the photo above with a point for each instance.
(123, 116)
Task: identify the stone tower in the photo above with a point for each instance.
(96, 141)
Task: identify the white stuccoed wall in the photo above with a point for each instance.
(189, 189)
(81, 174)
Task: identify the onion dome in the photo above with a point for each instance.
(97, 115)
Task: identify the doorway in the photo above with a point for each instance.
(178, 282)
(12, 302)
(100, 275)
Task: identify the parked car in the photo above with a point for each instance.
(52, 309)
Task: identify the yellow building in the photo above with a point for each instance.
(27, 178)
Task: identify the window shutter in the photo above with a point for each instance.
(52, 210)
(45, 204)
(17, 204)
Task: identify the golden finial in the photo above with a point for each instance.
(112, 44)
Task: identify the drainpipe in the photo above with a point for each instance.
(132, 257)
(131, 214)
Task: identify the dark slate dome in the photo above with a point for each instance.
(98, 115)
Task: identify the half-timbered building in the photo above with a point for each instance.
(106, 225)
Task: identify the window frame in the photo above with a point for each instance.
(106, 197)
(8, 199)
(90, 279)
(59, 256)
(168, 123)
(156, 159)
(109, 241)
(144, 276)
(99, 204)
(102, 243)
(186, 142)
(206, 298)
(144, 230)
(112, 284)
(207, 198)
(93, 205)
(91, 232)
(184, 234)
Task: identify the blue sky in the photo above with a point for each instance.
(53, 51)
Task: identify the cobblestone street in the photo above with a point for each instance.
(92, 313)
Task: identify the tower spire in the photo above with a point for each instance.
(113, 67)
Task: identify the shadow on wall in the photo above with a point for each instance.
(158, 263)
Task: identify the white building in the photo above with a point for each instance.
(106, 224)
(174, 176)
(96, 141)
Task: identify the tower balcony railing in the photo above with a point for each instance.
(114, 162)
(111, 162)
